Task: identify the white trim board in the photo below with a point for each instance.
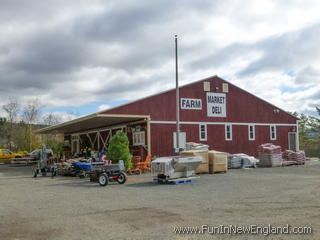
(223, 123)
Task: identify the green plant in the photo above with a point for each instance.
(57, 149)
(119, 149)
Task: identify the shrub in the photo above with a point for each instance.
(119, 149)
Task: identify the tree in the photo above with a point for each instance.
(309, 134)
(2, 130)
(30, 114)
(12, 110)
(55, 142)
(119, 149)
(51, 119)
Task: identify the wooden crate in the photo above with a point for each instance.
(204, 166)
(218, 161)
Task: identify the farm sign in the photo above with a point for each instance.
(191, 103)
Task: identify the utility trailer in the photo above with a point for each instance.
(103, 173)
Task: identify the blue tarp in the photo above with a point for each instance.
(82, 166)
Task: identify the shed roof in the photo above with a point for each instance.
(92, 121)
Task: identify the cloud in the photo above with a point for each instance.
(72, 53)
(308, 74)
(103, 107)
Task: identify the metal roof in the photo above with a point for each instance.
(92, 121)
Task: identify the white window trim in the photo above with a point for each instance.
(254, 132)
(224, 123)
(205, 130)
(275, 132)
(138, 138)
(225, 132)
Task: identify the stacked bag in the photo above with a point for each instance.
(241, 160)
(269, 155)
(294, 157)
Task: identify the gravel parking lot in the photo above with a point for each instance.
(73, 208)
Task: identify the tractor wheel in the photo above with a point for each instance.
(103, 179)
(122, 178)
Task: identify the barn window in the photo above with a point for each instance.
(225, 87)
(203, 132)
(138, 138)
(251, 132)
(228, 132)
(206, 86)
(273, 132)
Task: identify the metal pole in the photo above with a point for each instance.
(177, 96)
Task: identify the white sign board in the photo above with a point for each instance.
(191, 103)
(216, 104)
(182, 140)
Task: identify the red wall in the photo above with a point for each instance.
(162, 138)
(242, 107)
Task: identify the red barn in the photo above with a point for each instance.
(212, 111)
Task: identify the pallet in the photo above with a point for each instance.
(182, 180)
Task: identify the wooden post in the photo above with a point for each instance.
(149, 136)
(98, 135)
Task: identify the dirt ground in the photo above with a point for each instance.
(73, 208)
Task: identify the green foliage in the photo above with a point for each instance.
(309, 134)
(119, 149)
(57, 149)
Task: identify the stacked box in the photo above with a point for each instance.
(204, 166)
(218, 162)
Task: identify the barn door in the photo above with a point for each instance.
(292, 141)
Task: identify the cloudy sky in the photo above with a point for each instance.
(80, 56)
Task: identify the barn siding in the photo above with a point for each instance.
(162, 138)
(242, 107)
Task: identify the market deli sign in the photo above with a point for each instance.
(216, 104)
(191, 103)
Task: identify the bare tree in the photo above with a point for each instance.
(51, 119)
(31, 111)
(30, 115)
(12, 109)
(53, 141)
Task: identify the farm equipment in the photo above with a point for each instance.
(103, 173)
(45, 164)
(165, 169)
